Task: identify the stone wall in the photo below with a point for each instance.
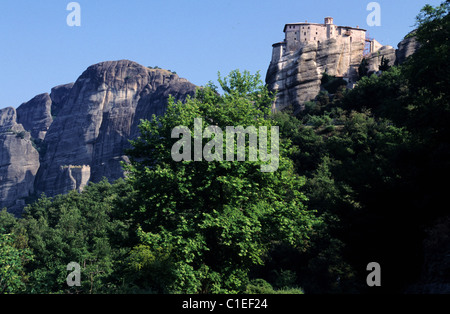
(74, 177)
(298, 35)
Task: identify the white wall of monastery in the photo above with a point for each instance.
(297, 35)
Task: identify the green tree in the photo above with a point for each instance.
(387, 96)
(77, 227)
(332, 83)
(12, 265)
(363, 68)
(384, 64)
(429, 67)
(428, 75)
(217, 220)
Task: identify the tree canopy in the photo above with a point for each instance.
(216, 219)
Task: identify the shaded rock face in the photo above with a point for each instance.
(59, 95)
(375, 58)
(406, 48)
(19, 162)
(74, 178)
(35, 115)
(296, 77)
(7, 119)
(78, 133)
(98, 118)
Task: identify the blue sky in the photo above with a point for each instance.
(195, 38)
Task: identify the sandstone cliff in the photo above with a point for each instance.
(35, 115)
(296, 76)
(374, 59)
(406, 48)
(59, 96)
(81, 129)
(19, 162)
(99, 117)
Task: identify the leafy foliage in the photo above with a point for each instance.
(384, 64)
(363, 68)
(331, 83)
(12, 262)
(72, 228)
(376, 176)
(217, 219)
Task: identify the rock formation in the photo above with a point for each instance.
(59, 95)
(375, 58)
(297, 67)
(74, 178)
(19, 162)
(99, 117)
(406, 48)
(297, 77)
(35, 115)
(82, 129)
